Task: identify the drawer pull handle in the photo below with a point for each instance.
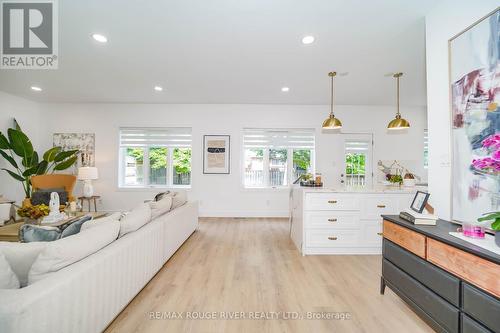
(332, 201)
(380, 233)
(332, 220)
(332, 238)
(381, 206)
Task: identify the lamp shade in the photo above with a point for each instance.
(88, 173)
(332, 123)
(398, 124)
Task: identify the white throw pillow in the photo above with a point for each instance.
(160, 207)
(95, 222)
(66, 251)
(8, 280)
(179, 198)
(138, 217)
(21, 257)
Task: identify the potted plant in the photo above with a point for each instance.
(495, 225)
(17, 149)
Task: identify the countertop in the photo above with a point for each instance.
(441, 231)
(367, 190)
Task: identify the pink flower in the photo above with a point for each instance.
(493, 141)
(496, 155)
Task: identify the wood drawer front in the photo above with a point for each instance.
(469, 325)
(479, 272)
(331, 238)
(439, 281)
(335, 220)
(406, 238)
(443, 313)
(331, 201)
(374, 206)
(481, 306)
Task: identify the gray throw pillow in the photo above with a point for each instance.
(42, 196)
(33, 233)
(75, 226)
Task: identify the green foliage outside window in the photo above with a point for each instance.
(355, 164)
(158, 158)
(302, 159)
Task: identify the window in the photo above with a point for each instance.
(356, 162)
(426, 149)
(276, 158)
(155, 157)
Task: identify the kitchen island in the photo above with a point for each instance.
(343, 221)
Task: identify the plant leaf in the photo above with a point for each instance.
(30, 161)
(496, 225)
(9, 158)
(42, 168)
(15, 175)
(30, 172)
(489, 216)
(4, 143)
(50, 154)
(64, 155)
(20, 143)
(66, 164)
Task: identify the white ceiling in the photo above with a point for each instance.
(233, 51)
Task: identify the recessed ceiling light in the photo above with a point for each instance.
(308, 40)
(158, 88)
(285, 89)
(100, 38)
(35, 88)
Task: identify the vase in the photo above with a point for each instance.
(497, 238)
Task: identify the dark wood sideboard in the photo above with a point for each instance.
(451, 284)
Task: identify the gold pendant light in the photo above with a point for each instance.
(331, 122)
(398, 123)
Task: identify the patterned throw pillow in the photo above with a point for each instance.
(35, 233)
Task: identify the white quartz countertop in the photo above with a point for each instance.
(374, 189)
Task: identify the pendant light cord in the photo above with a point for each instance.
(332, 95)
(397, 83)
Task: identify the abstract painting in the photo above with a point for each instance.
(475, 100)
(216, 154)
(84, 142)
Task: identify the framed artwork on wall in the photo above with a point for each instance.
(84, 142)
(475, 133)
(216, 154)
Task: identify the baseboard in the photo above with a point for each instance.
(246, 213)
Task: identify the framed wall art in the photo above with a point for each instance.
(475, 97)
(216, 154)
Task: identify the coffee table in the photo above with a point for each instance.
(10, 232)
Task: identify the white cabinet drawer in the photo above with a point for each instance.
(331, 238)
(331, 201)
(376, 205)
(372, 233)
(332, 219)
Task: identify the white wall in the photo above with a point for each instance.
(446, 20)
(27, 114)
(223, 195)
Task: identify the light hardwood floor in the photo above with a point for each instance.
(251, 265)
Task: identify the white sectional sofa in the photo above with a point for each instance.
(87, 295)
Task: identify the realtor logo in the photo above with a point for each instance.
(29, 34)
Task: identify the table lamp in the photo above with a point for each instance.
(87, 174)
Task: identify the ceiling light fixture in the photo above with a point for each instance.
(100, 38)
(35, 88)
(398, 123)
(158, 88)
(331, 122)
(285, 89)
(308, 40)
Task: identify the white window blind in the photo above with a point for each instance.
(426, 148)
(357, 147)
(278, 138)
(155, 137)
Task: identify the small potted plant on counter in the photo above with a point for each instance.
(495, 225)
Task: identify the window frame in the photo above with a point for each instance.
(146, 166)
